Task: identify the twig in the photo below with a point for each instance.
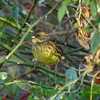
(9, 23)
(63, 88)
(90, 23)
(28, 16)
(25, 81)
(9, 49)
(26, 73)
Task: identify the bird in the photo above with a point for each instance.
(44, 50)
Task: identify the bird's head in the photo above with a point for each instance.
(39, 37)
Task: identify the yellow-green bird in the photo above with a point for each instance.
(45, 51)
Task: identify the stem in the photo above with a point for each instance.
(63, 88)
(9, 49)
(92, 83)
(25, 81)
(28, 16)
(9, 23)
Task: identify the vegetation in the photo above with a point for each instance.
(49, 50)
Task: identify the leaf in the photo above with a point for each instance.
(87, 2)
(95, 42)
(70, 97)
(33, 97)
(66, 2)
(93, 6)
(85, 93)
(97, 20)
(15, 12)
(61, 12)
(2, 26)
(3, 75)
(1, 34)
(71, 74)
(62, 9)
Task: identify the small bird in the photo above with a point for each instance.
(44, 50)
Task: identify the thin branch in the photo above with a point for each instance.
(28, 16)
(25, 81)
(9, 49)
(4, 20)
(63, 88)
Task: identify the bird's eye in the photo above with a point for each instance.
(33, 37)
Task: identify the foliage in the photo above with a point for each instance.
(73, 28)
(63, 9)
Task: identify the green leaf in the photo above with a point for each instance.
(61, 12)
(87, 2)
(1, 33)
(3, 75)
(32, 97)
(2, 26)
(66, 2)
(93, 6)
(62, 9)
(85, 93)
(95, 42)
